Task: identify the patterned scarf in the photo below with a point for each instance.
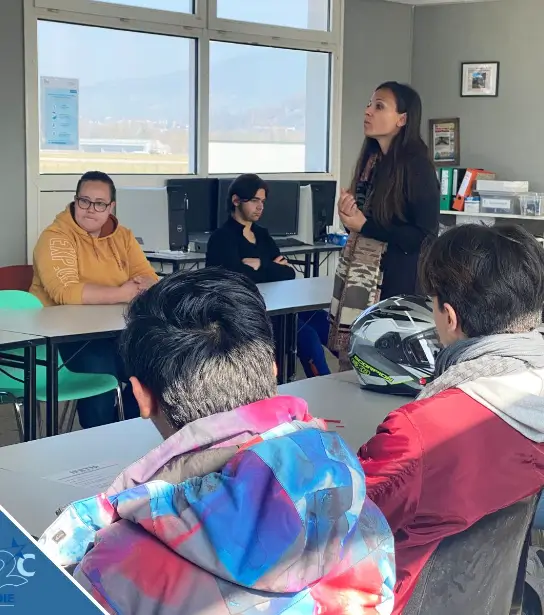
(493, 355)
(358, 275)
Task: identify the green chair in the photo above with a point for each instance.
(72, 386)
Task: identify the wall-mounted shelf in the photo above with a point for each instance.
(487, 215)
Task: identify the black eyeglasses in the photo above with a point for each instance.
(84, 203)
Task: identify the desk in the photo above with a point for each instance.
(310, 252)
(337, 397)
(285, 300)
(68, 323)
(10, 340)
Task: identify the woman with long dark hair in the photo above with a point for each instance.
(390, 209)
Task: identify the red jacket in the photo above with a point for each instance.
(437, 466)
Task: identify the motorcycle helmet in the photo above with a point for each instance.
(393, 345)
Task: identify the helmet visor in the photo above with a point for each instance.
(421, 349)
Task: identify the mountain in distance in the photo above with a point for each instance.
(250, 86)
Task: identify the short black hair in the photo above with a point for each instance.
(493, 277)
(245, 187)
(98, 176)
(202, 343)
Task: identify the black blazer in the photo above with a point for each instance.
(227, 247)
(405, 239)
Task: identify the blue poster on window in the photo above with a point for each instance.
(60, 113)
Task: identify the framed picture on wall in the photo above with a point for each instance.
(480, 79)
(444, 142)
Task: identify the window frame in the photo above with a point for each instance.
(130, 13)
(330, 37)
(203, 26)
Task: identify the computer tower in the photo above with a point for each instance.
(178, 233)
(197, 197)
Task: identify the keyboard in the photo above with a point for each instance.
(288, 242)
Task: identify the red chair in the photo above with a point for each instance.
(16, 277)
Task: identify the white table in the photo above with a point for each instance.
(69, 323)
(340, 398)
(114, 447)
(311, 253)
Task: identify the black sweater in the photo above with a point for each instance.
(227, 247)
(405, 239)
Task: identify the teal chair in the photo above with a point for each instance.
(72, 386)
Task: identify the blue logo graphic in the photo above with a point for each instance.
(29, 581)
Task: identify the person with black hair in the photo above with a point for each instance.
(243, 246)
(249, 504)
(473, 441)
(390, 209)
(87, 257)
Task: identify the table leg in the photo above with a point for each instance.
(316, 265)
(291, 346)
(307, 265)
(280, 332)
(52, 411)
(30, 403)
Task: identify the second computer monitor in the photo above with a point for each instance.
(280, 214)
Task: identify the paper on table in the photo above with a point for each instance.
(97, 477)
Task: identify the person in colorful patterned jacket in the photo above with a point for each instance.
(249, 505)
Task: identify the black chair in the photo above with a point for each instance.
(480, 570)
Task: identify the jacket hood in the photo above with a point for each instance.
(516, 398)
(65, 220)
(292, 502)
(273, 511)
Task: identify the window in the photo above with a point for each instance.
(116, 100)
(305, 14)
(269, 109)
(176, 6)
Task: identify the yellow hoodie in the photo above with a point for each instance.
(66, 258)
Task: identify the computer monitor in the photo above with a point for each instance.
(280, 214)
(145, 212)
(323, 202)
(223, 210)
(198, 197)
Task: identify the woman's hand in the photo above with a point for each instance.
(281, 260)
(254, 263)
(145, 281)
(350, 215)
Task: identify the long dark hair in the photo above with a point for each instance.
(388, 194)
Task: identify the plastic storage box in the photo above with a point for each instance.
(499, 203)
(532, 204)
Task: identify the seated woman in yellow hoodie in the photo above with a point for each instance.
(87, 257)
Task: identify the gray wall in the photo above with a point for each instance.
(12, 135)
(377, 48)
(501, 134)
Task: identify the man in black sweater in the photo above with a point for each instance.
(243, 246)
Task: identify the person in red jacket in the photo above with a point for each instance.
(472, 442)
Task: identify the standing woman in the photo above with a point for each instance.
(390, 209)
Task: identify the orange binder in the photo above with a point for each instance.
(465, 189)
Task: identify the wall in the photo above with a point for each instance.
(377, 48)
(501, 134)
(12, 131)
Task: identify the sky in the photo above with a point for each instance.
(66, 50)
